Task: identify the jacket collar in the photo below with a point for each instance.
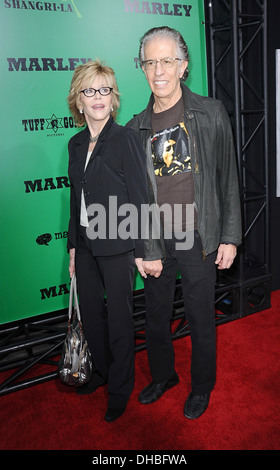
(82, 143)
(83, 136)
(192, 102)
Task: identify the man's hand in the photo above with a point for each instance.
(225, 256)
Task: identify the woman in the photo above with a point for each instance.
(106, 170)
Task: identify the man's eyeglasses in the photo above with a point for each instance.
(104, 91)
(166, 63)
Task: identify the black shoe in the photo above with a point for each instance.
(196, 405)
(94, 383)
(154, 391)
(113, 413)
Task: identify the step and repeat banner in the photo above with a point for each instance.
(41, 44)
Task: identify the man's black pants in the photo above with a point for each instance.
(198, 277)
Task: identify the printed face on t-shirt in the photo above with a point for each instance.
(170, 151)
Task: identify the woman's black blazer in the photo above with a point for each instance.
(117, 167)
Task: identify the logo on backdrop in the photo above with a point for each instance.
(64, 6)
(48, 183)
(69, 6)
(51, 125)
(46, 238)
(45, 64)
(54, 291)
(157, 8)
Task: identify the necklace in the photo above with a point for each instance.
(94, 139)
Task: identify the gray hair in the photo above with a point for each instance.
(166, 32)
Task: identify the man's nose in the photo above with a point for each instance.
(158, 68)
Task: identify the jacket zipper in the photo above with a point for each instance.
(196, 170)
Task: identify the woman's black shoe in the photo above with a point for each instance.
(113, 413)
(94, 383)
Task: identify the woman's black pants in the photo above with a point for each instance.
(198, 276)
(108, 328)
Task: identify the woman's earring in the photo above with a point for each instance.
(81, 111)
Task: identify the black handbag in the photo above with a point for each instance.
(75, 365)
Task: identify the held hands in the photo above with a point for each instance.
(72, 262)
(225, 256)
(153, 268)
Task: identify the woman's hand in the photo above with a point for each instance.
(72, 262)
(139, 264)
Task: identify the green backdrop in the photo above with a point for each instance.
(41, 43)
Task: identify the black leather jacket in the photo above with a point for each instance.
(216, 186)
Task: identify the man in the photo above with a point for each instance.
(198, 171)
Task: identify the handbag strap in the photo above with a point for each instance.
(73, 292)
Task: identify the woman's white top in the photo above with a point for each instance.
(84, 217)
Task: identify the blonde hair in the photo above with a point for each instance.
(83, 77)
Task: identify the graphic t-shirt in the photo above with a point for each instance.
(172, 165)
